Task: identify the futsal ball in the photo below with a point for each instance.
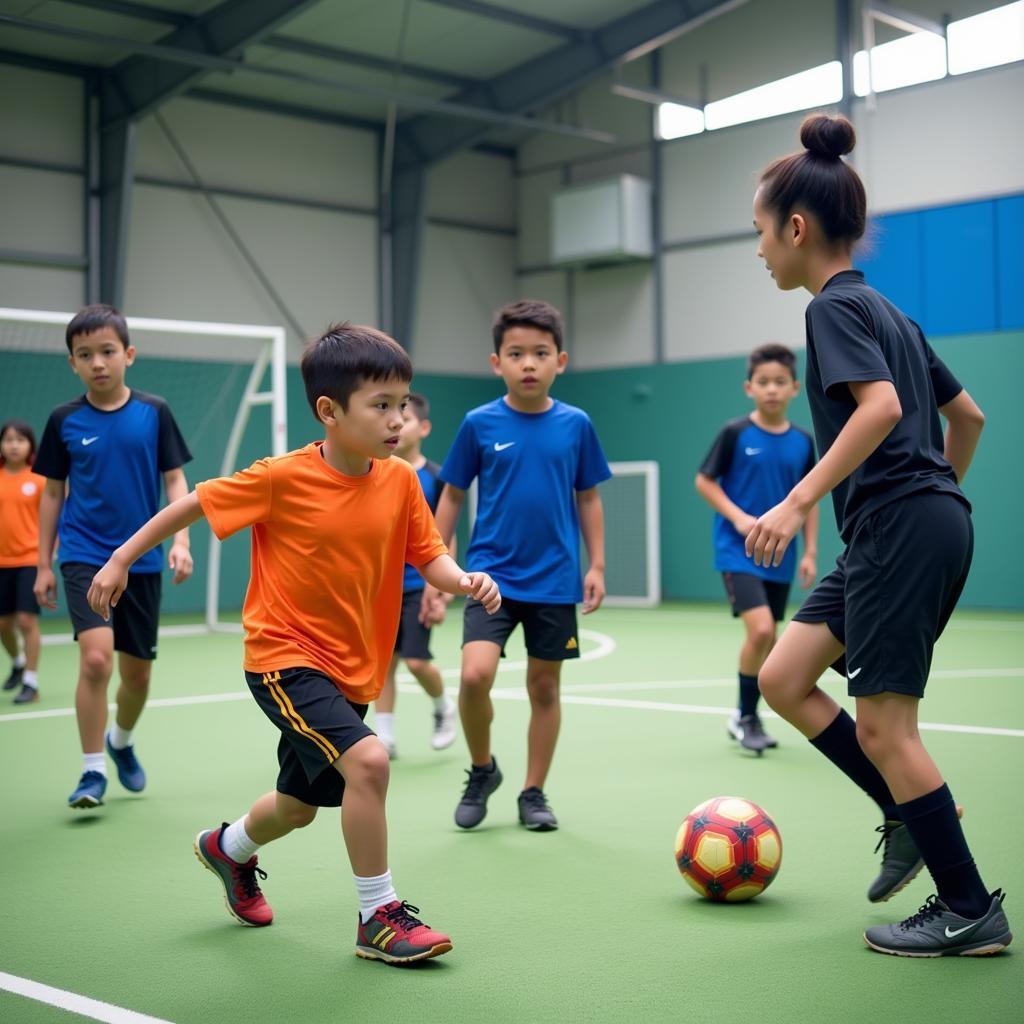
(728, 849)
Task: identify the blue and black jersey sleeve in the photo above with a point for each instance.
(52, 459)
(719, 457)
(171, 450)
(433, 496)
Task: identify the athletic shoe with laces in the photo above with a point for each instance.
(936, 931)
(444, 727)
(129, 771)
(901, 860)
(14, 679)
(535, 811)
(242, 895)
(90, 790)
(752, 735)
(27, 694)
(480, 784)
(396, 936)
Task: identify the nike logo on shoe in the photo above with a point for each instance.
(856, 672)
(89, 440)
(953, 932)
(501, 447)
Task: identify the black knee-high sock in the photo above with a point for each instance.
(838, 742)
(749, 695)
(933, 823)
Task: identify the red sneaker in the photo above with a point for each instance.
(394, 935)
(242, 894)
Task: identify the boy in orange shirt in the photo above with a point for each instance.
(20, 491)
(332, 526)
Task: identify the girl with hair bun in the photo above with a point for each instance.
(876, 391)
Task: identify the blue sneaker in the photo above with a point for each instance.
(129, 771)
(89, 791)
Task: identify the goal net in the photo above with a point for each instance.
(225, 384)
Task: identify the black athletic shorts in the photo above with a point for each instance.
(16, 590)
(747, 591)
(413, 639)
(136, 617)
(893, 590)
(317, 723)
(549, 629)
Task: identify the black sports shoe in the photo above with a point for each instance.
(14, 679)
(27, 694)
(480, 784)
(535, 811)
(752, 735)
(901, 861)
(936, 931)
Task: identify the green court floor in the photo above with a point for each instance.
(589, 923)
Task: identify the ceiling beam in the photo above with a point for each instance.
(546, 78)
(509, 16)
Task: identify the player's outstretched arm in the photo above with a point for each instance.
(179, 558)
(109, 583)
(965, 424)
(51, 501)
(447, 575)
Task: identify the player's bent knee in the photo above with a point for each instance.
(418, 666)
(366, 764)
(295, 813)
(97, 665)
(27, 622)
(543, 691)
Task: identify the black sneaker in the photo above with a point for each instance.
(901, 861)
(936, 931)
(752, 735)
(27, 694)
(480, 784)
(14, 679)
(535, 811)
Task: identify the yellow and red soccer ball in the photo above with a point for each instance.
(728, 849)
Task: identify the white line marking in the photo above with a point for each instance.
(74, 1003)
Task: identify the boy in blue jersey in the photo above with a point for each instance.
(538, 463)
(418, 614)
(752, 465)
(108, 451)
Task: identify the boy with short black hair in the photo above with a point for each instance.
(752, 465)
(333, 524)
(538, 462)
(109, 449)
(418, 613)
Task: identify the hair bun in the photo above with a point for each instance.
(826, 136)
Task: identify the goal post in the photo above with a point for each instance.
(208, 356)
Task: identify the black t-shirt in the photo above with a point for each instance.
(856, 334)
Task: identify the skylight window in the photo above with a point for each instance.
(987, 40)
(817, 87)
(919, 57)
(676, 120)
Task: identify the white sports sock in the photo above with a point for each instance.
(375, 891)
(442, 703)
(95, 763)
(31, 678)
(235, 842)
(119, 738)
(19, 660)
(385, 724)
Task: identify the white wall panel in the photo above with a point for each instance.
(41, 115)
(613, 317)
(535, 217)
(549, 286)
(475, 187)
(466, 276)
(720, 301)
(40, 211)
(41, 288)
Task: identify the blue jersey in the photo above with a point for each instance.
(529, 466)
(432, 486)
(113, 461)
(756, 469)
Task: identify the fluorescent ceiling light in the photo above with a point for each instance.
(986, 40)
(817, 87)
(919, 57)
(676, 120)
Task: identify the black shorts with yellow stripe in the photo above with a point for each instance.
(317, 723)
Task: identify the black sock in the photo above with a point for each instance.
(838, 742)
(749, 695)
(933, 823)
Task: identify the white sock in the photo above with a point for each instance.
(31, 678)
(442, 703)
(95, 763)
(376, 891)
(119, 738)
(235, 842)
(19, 660)
(385, 724)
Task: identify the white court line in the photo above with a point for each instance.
(74, 1003)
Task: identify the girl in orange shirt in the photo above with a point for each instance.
(20, 491)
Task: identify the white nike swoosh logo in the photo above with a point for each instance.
(752, 451)
(951, 933)
(89, 440)
(502, 447)
(856, 672)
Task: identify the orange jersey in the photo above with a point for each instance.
(328, 550)
(20, 494)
